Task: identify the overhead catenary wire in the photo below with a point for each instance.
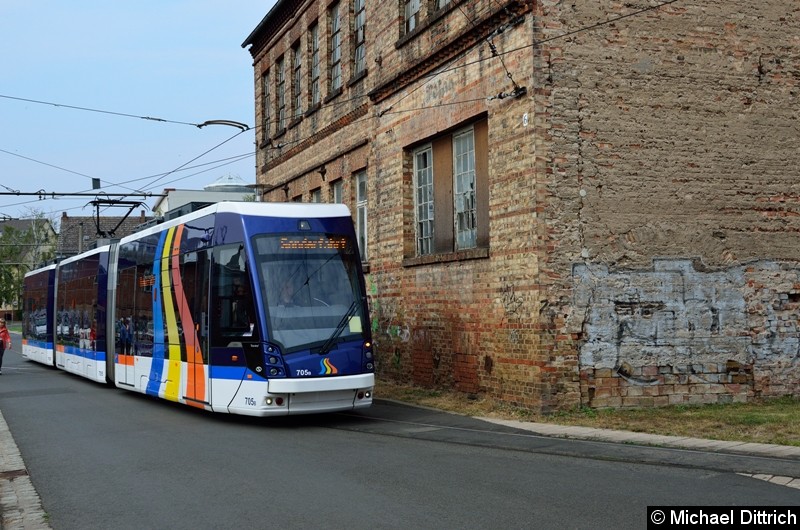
(495, 54)
(430, 76)
(225, 161)
(88, 109)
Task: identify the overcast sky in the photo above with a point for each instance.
(175, 60)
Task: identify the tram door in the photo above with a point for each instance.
(131, 290)
(195, 268)
(233, 333)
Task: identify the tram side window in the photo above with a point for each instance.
(77, 304)
(233, 311)
(34, 316)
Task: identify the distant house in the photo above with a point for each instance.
(78, 234)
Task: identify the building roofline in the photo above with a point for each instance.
(252, 37)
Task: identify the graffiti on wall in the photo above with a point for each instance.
(678, 313)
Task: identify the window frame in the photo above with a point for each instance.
(280, 93)
(337, 191)
(464, 205)
(335, 48)
(424, 204)
(314, 92)
(359, 37)
(361, 213)
(265, 104)
(297, 80)
(437, 211)
(411, 14)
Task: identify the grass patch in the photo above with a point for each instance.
(773, 421)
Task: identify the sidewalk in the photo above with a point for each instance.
(678, 442)
(20, 506)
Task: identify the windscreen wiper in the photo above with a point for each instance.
(339, 328)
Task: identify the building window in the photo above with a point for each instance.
(359, 60)
(280, 103)
(441, 3)
(337, 192)
(316, 195)
(423, 186)
(361, 213)
(265, 105)
(464, 188)
(450, 176)
(314, 88)
(297, 104)
(411, 15)
(336, 49)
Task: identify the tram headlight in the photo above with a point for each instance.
(370, 366)
(273, 360)
(273, 371)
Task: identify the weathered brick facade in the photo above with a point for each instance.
(636, 190)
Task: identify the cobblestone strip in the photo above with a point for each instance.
(777, 479)
(20, 506)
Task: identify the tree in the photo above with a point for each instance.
(25, 244)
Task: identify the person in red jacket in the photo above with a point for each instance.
(5, 341)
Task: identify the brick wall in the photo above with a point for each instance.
(670, 138)
(664, 139)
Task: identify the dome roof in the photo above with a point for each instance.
(232, 183)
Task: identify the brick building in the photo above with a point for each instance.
(558, 203)
(78, 234)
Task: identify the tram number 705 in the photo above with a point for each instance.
(250, 402)
(303, 372)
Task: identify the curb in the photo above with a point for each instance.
(682, 442)
(678, 442)
(20, 505)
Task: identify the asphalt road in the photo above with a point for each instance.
(101, 457)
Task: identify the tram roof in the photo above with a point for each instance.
(40, 269)
(85, 254)
(291, 210)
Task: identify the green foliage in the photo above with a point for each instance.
(22, 251)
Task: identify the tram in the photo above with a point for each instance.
(243, 308)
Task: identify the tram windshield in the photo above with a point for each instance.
(310, 285)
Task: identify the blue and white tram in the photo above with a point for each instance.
(37, 315)
(245, 308)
